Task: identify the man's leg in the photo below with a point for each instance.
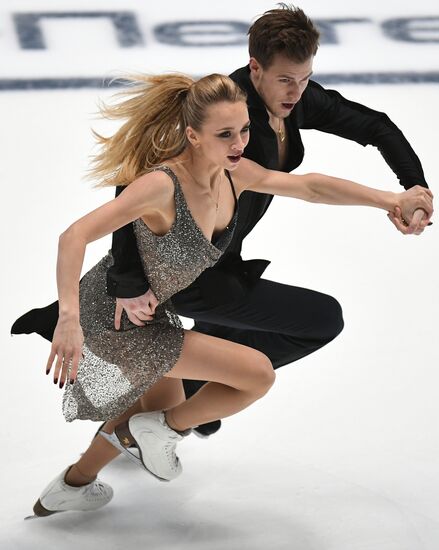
(284, 322)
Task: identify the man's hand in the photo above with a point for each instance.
(139, 309)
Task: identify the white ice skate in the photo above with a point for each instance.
(156, 443)
(60, 497)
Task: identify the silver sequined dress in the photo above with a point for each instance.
(119, 366)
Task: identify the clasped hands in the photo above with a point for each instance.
(414, 211)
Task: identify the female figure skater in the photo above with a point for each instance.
(184, 213)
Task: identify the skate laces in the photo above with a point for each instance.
(171, 456)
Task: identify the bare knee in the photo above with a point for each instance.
(262, 374)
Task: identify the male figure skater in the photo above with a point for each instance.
(230, 300)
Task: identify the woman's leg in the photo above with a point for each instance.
(238, 376)
(164, 394)
(99, 453)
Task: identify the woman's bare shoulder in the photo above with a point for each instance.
(154, 187)
(247, 173)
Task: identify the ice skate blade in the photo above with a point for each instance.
(200, 435)
(41, 512)
(38, 517)
(114, 440)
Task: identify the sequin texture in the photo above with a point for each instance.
(119, 366)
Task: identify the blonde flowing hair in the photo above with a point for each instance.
(157, 110)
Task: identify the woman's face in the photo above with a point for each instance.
(224, 134)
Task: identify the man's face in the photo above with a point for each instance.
(282, 83)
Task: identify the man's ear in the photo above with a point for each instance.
(254, 65)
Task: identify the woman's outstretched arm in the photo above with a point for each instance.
(320, 188)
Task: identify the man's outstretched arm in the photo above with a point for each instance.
(328, 111)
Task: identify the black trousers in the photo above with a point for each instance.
(284, 322)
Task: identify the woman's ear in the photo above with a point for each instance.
(192, 137)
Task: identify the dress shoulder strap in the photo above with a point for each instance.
(229, 177)
(177, 185)
(165, 168)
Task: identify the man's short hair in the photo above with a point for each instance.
(285, 30)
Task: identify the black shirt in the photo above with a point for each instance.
(318, 109)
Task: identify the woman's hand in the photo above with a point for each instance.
(67, 349)
(139, 309)
(413, 211)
